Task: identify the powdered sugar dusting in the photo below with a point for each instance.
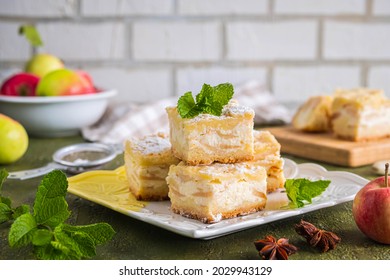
(153, 144)
(232, 109)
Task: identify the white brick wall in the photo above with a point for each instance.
(12, 46)
(381, 7)
(84, 42)
(128, 7)
(329, 7)
(297, 83)
(351, 40)
(222, 7)
(192, 79)
(177, 41)
(38, 8)
(135, 84)
(290, 40)
(379, 77)
(150, 49)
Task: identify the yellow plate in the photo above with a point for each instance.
(106, 187)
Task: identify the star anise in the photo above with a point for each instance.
(322, 239)
(271, 249)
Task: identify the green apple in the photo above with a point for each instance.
(64, 82)
(42, 64)
(13, 140)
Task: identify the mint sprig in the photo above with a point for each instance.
(210, 100)
(7, 212)
(45, 229)
(301, 191)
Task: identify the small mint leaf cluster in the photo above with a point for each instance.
(7, 212)
(300, 191)
(210, 100)
(45, 228)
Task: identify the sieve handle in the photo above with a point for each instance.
(32, 173)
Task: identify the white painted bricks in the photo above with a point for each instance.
(222, 7)
(84, 42)
(128, 7)
(38, 8)
(298, 83)
(271, 41)
(177, 41)
(12, 46)
(151, 49)
(381, 7)
(136, 84)
(329, 7)
(351, 40)
(379, 77)
(192, 79)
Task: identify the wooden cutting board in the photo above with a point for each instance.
(327, 148)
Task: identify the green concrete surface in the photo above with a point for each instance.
(138, 240)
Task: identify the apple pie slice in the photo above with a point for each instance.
(207, 138)
(314, 114)
(360, 114)
(147, 162)
(267, 154)
(210, 193)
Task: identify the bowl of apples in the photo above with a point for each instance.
(50, 100)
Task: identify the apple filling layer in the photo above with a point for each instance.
(218, 191)
(147, 162)
(267, 154)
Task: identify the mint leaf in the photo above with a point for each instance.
(223, 93)
(205, 96)
(50, 253)
(45, 229)
(20, 210)
(186, 106)
(5, 213)
(99, 233)
(42, 237)
(31, 34)
(6, 201)
(303, 190)
(50, 206)
(3, 177)
(210, 100)
(74, 244)
(64, 244)
(22, 230)
(85, 244)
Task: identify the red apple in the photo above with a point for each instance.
(21, 84)
(371, 209)
(88, 77)
(85, 75)
(64, 82)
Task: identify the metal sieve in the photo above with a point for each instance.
(74, 159)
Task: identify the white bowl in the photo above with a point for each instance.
(56, 116)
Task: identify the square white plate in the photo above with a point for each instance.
(343, 187)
